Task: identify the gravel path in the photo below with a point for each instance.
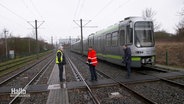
(35, 98)
(124, 97)
(180, 80)
(78, 96)
(160, 92)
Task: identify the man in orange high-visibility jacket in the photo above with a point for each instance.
(92, 62)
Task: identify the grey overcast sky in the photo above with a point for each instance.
(59, 15)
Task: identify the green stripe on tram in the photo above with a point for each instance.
(136, 58)
(117, 57)
(114, 57)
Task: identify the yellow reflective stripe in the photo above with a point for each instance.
(61, 58)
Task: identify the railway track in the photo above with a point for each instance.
(22, 71)
(96, 101)
(177, 84)
(13, 65)
(38, 75)
(80, 77)
(33, 79)
(14, 61)
(158, 78)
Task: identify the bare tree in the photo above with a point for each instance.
(180, 26)
(1, 35)
(149, 13)
(182, 12)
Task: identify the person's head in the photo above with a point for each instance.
(90, 48)
(124, 46)
(60, 48)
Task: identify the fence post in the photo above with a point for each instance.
(166, 57)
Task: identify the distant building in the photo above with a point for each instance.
(67, 40)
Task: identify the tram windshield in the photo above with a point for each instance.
(144, 34)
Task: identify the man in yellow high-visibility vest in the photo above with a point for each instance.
(60, 60)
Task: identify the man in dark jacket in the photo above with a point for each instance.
(60, 60)
(127, 59)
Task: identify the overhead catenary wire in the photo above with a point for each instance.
(76, 10)
(27, 7)
(36, 9)
(38, 14)
(122, 4)
(113, 11)
(17, 15)
(12, 12)
(81, 8)
(101, 10)
(74, 16)
(22, 18)
(10, 21)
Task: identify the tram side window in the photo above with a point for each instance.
(129, 36)
(95, 43)
(98, 42)
(108, 40)
(115, 39)
(122, 37)
(91, 42)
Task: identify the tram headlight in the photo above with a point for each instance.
(138, 44)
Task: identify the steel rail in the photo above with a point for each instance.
(146, 100)
(96, 101)
(33, 79)
(180, 85)
(16, 60)
(11, 77)
(19, 60)
(155, 68)
(75, 73)
(13, 65)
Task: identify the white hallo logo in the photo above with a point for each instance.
(20, 91)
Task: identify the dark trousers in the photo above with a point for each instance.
(93, 72)
(60, 71)
(128, 68)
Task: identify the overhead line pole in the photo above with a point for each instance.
(52, 40)
(82, 26)
(6, 44)
(36, 32)
(81, 37)
(37, 46)
(70, 42)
